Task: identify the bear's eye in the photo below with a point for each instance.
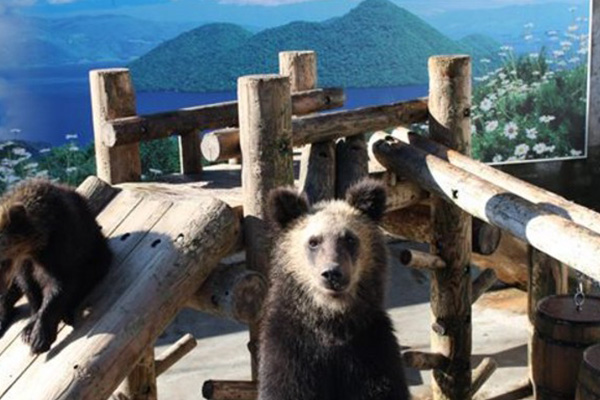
(314, 242)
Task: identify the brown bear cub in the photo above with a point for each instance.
(326, 334)
(53, 252)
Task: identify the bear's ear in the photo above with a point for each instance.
(14, 218)
(369, 197)
(285, 205)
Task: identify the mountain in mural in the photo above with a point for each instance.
(375, 44)
(32, 42)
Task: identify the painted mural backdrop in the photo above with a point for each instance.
(529, 58)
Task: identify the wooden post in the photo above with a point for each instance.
(265, 114)
(113, 97)
(174, 353)
(190, 155)
(141, 382)
(230, 390)
(317, 166)
(352, 163)
(449, 123)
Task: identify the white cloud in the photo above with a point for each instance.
(266, 3)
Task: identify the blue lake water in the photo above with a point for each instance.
(44, 105)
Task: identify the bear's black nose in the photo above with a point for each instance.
(334, 278)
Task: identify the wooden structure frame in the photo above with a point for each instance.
(434, 174)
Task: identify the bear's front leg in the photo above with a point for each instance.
(7, 306)
(41, 329)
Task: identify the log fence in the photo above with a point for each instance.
(437, 195)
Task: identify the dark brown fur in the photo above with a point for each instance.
(53, 252)
(322, 340)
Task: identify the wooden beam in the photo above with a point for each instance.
(112, 96)
(233, 292)
(449, 122)
(420, 260)
(265, 112)
(424, 361)
(221, 145)
(118, 131)
(546, 200)
(174, 353)
(190, 156)
(352, 163)
(97, 192)
(317, 128)
(140, 384)
(482, 373)
(482, 283)
(230, 390)
(558, 237)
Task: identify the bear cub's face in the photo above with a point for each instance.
(15, 241)
(328, 246)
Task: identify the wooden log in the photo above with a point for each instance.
(562, 239)
(547, 277)
(265, 112)
(424, 361)
(516, 391)
(233, 292)
(230, 390)
(317, 165)
(317, 128)
(418, 259)
(113, 97)
(449, 122)
(485, 237)
(352, 163)
(174, 353)
(97, 192)
(140, 384)
(403, 194)
(414, 222)
(300, 67)
(482, 373)
(318, 171)
(482, 283)
(190, 155)
(155, 272)
(122, 131)
(222, 144)
(546, 200)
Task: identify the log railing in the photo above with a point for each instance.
(411, 165)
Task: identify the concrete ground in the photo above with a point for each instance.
(499, 330)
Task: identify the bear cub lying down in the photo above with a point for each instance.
(53, 252)
(325, 334)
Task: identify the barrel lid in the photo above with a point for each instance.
(562, 307)
(592, 356)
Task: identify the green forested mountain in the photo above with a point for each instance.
(375, 44)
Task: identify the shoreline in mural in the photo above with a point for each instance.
(530, 89)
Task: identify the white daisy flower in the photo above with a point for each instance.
(531, 133)
(486, 105)
(491, 126)
(540, 148)
(547, 118)
(521, 150)
(511, 130)
(497, 158)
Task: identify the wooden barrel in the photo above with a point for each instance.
(588, 385)
(561, 334)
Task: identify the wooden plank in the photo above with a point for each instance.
(124, 131)
(90, 363)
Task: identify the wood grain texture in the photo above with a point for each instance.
(449, 123)
(174, 353)
(113, 97)
(147, 285)
(588, 386)
(552, 234)
(230, 390)
(134, 129)
(190, 155)
(140, 384)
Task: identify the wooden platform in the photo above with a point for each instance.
(166, 239)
